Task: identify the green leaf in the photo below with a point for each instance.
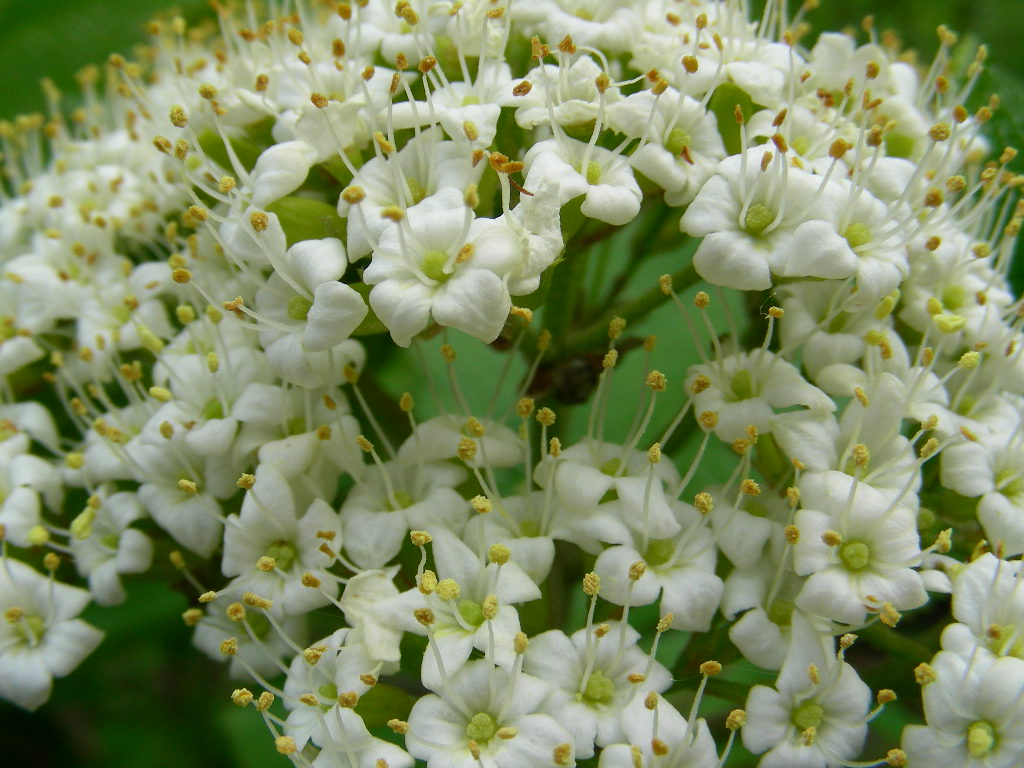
(723, 104)
(305, 219)
(382, 703)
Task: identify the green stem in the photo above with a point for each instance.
(566, 286)
(595, 335)
(895, 644)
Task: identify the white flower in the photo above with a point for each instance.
(685, 745)
(681, 145)
(477, 703)
(995, 473)
(347, 744)
(442, 263)
(39, 639)
(680, 567)
(566, 95)
(975, 713)
(605, 178)
(868, 563)
(305, 313)
(378, 512)
(112, 547)
(459, 623)
(747, 388)
(591, 678)
(753, 222)
(327, 668)
(988, 601)
(816, 714)
(268, 527)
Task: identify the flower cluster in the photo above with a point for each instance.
(215, 269)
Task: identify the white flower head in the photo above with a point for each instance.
(40, 638)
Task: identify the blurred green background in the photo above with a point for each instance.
(146, 698)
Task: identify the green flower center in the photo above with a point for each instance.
(611, 467)
(965, 404)
(213, 409)
(780, 612)
(677, 141)
(954, 296)
(659, 551)
(898, 145)
(471, 613)
(416, 190)
(857, 234)
(433, 266)
(403, 500)
(110, 541)
(808, 715)
(31, 628)
(593, 173)
(7, 329)
(742, 385)
(328, 691)
(481, 727)
(529, 528)
(283, 554)
(758, 218)
(296, 425)
(981, 737)
(599, 689)
(298, 307)
(855, 555)
(800, 145)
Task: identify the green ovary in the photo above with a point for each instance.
(599, 689)
(433, 266)
(780, 612)
(954, 296)
(529, 528)
(800, 145)
(416, 190)
(213, 409)
(593, 172)
(481, 727)
(471, 613)
(808, 715)
(757, 219)
(855, 555)
(742, 385)
(283, 554)
(328, 691)
(981, 738)
(298, 307)
(31, 628)
(659, 551)
(857, 234)
(898, 145)
(611, 467)
(677, 141)
(403, 500)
